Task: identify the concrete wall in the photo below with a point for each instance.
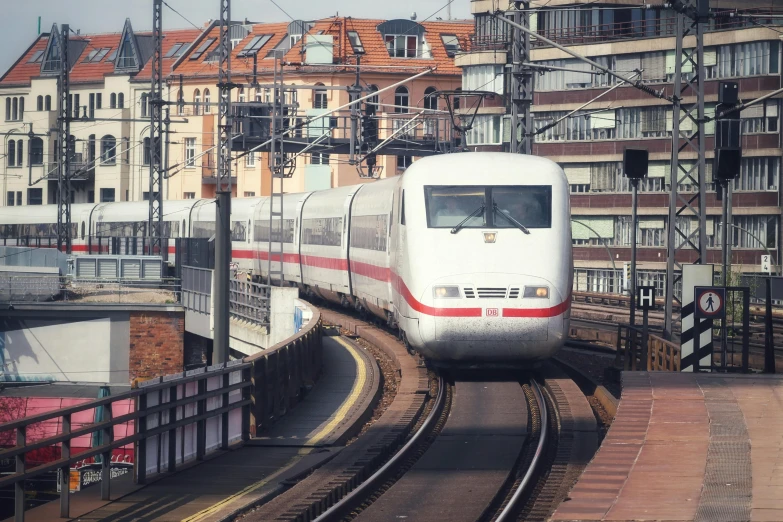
(90, 343)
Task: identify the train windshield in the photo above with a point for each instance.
(503, 206)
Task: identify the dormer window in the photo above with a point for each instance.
(451, 43)
(252, 47)
(296, 29)
(402, 37)
(356, 42)
(401, 46)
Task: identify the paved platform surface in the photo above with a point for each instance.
(228, 480)
(462, 471)
(684, 447)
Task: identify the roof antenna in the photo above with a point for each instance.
(413, 15)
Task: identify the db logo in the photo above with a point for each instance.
(492, 312)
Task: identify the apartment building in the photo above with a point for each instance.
(626, 37)
(321, 54)
(108, 118)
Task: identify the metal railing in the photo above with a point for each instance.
(200, 402)
(638, 350)
(282, 374)
(249, 301)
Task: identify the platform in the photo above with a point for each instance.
(305, 438)
(704, 447)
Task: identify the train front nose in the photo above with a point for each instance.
(503, 319)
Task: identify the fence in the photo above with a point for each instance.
(637, 351)
(178, 418)
(247, 301)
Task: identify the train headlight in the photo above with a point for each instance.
(490, 237)
(536, 291)
(439, 292)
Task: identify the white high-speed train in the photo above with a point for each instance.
(468, 254)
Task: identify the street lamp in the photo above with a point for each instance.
(635, 165)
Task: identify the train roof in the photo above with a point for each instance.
(480, 168)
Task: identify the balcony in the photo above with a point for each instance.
(79, 171)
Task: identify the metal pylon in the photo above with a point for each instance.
(521, 83)
(277, 169)
(156, 133)
(64, 146)
(686, 206)
(223, 191)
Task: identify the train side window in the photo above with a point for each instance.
(402, 208)
(82, 229)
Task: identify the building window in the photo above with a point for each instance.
(319, 98)
(318, 158)
(19, 152)
(47, 103)
(9, 198)
(35, 196)
(145, 160)
(8, 109)
(250, 160)
(126, 148)
(36, 151)
(250, 194)
(196, 102)
(202, 49)
(241, 95)
(107, 195)
(758, 174)
(11, 155)
(91, 112)
(401, 99)
(451, 43)
(108, 150)
(175, 50)
(403, 162)
(121, 101)
(356, 42)
(91, 149)
(430, 100)
(253, 46)
(486, 130)
(483, 78)
(39, 103)
(190, 195)
(113, 101)
(207, 102)
(401, 46)
(15, 110)
(98, 100)
(144, 105)
(190, 152)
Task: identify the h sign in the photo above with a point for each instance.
(645, 297)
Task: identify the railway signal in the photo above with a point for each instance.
(635, 167)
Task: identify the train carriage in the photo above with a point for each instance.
(292, 212)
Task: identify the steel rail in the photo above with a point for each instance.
(343, 508)
(512, 508)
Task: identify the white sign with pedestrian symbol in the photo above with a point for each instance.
(709, 302)
(766, 264)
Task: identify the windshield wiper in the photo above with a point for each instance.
(510, 219)
(470, 216)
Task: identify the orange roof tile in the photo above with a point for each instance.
(22, 72)
(372, 41)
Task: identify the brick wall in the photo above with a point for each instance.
(156, 343)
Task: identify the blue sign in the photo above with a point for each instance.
(297, 319)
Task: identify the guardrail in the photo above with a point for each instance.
(640, 351)
(166, 408)
(247, 301)
(211, 408)
(282, 374)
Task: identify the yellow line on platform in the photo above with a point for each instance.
(348, 403)
(214, 508)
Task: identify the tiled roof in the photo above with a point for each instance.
(372, 41)
(171, 38)
(22, 72)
